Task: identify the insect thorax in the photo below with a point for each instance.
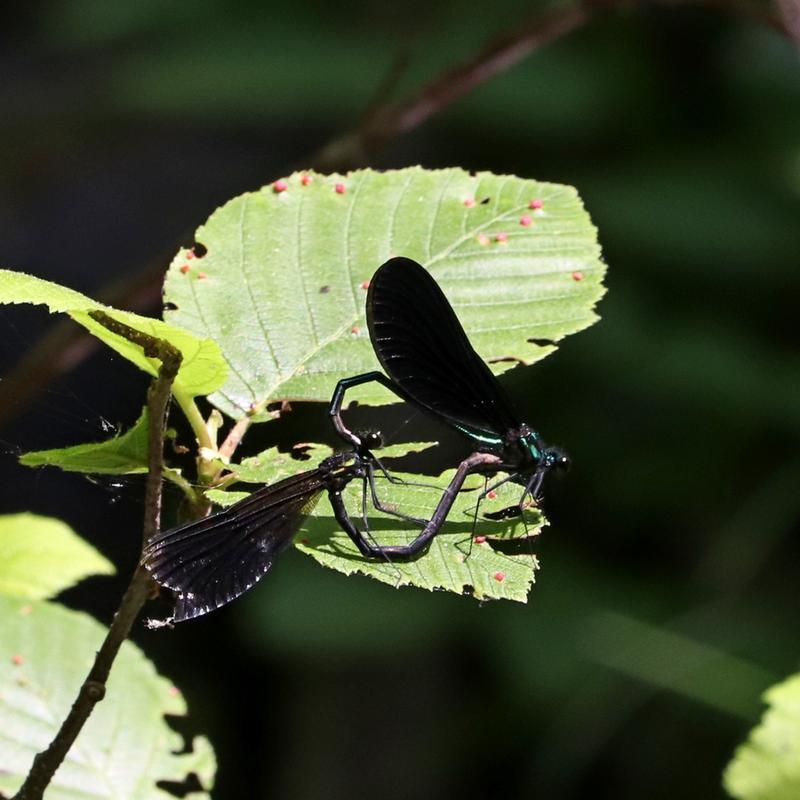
(526, 444)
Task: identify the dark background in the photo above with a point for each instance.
(668, 595)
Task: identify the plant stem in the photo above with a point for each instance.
(173, 476)
(237, 432)
(235, 436)
(353, 149)
(62, 349)
(195, 419)
(140, 587)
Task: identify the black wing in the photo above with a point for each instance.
(424, 350)
(213, 560)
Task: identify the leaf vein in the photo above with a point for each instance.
(299, 261)
(395, 211)
(435, 215)
(348, 249)
(249, 288)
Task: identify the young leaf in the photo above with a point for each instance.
(41, 556)
(202, 370)
(123, 455)
(767, 766)
(281, 287)
(43, 659)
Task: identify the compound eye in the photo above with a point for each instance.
(373, 440)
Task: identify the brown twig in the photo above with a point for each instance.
(235, 436)
(501, 54)
(47, 363)
(386, 87)
(139, 589)
(789, 11)
(60, 352)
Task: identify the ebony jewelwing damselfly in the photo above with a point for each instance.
(430, 362)
(211, 561)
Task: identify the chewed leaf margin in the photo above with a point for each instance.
(282, 278)
(36, 691)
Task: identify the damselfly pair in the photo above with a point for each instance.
(429, 362)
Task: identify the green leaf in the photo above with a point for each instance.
(400, 449)
(126, 745)
(41, 556)
(123, 455)
(281, 287)
(202, 370)
(767, 766)
(454, 562)
(271, 465)
(225, 499)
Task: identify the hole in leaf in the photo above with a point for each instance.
(302, 451)
(542, 342)
(199, 249)
(503, 513)
(485, 201)
(191, 783)
(279, 407)
(505, 359)
(170, 307)
(518, 546)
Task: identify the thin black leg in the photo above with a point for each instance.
(534, 487)
(478, 505)
(335, 412)
(335, 408)
(477, 462)
(491, 488)
(376, 501)
(398, 481)
(475, 517)
(369, 479)
(364, 517)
